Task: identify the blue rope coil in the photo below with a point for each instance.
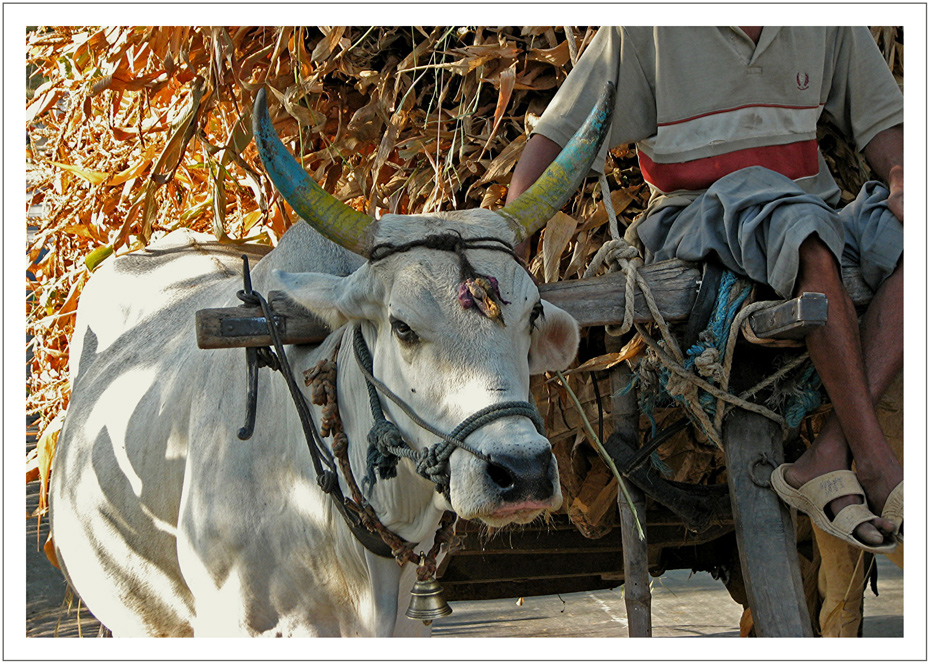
(731, 295)
(806, 398)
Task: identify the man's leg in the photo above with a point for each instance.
(882, 334)
(855, 373)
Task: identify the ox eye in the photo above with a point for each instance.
(535, 315)
(403, 332)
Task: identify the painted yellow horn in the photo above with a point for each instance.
(330, 216)
(535, 206)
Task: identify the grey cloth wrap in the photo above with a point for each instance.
(754, 220)
(874, 236)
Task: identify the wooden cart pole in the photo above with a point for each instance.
(765, 533)
(636, 593)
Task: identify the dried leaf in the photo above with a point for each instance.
(328, 43)
(136, 170)
(306, 117)
(217, 173)
(149, 209)
(49, 550)
(48, 443)
(557, 57)
(620, 199)
(632, 349)
(504, 163)
(558, 233)
(32, 465)
(174, 149)
(508, 77)
(41, 103)
(94, 177)
(249, 220)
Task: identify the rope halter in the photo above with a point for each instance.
(386, 444)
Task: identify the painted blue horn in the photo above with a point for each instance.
(327, 214)
(535, 206)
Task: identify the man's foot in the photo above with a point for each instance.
(893, 511)
(835, 502)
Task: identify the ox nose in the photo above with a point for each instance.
(521, 477)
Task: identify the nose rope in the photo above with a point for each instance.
(387, 444)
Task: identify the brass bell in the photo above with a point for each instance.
(427, 602)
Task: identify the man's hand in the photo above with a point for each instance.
(895, 200)
(885, 154)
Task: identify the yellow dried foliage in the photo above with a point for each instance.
(138, 131)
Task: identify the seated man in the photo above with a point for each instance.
(725, 120)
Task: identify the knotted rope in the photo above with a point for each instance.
(690, 380)
(387, 445)
(322, 379)
(619, 255)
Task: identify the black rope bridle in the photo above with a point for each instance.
(452, 242)
(386, 444)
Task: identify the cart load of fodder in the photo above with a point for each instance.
(133, 132)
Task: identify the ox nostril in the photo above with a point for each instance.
(500, 476)
(518, 477)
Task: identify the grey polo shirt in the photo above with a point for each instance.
(702, 102)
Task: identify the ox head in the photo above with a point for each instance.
(454, 322)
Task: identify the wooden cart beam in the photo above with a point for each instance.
(765, 533)
(593, 301)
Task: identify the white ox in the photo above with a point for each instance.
(166, 524)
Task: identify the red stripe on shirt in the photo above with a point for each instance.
(737, 108)
(794, 160)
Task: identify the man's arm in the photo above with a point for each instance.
(537, 155)
(885, 154)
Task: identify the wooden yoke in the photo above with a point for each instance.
(593, 301)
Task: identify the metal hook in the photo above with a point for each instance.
(251, 403)
(762, 458)
(246, 276)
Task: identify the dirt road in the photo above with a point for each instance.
(683, 605)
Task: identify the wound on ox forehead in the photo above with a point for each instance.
(483, 294)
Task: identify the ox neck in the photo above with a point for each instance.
(406, 504)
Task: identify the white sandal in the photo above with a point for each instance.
(813, 496)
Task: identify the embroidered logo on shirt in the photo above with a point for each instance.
(803, 81)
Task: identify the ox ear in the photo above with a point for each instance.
(337, 300)
(554, 343)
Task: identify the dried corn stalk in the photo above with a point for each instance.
(136, 131)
